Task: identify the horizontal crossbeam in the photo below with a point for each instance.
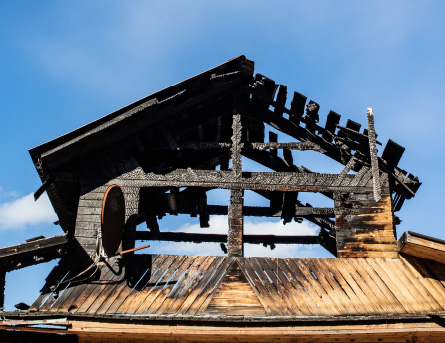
(219, 238)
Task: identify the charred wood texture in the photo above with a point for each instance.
(220, 238)
(236, 223)
(167, 150)
(32, 252)
(2, 288)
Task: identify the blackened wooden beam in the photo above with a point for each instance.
(280, 102)
(328, 241)
(392, 153)
(288, 208)
(2, 288)
(220, 238)
(13, 255)
(350, 124)
(43, 188)
(273, 138)
(259, 211)
(237, 146)
(269, 181)
(302, 146)
(297, 108)
(332, 121)
(195, 145)
(235, 210)
(312, 116)
(236, 223)
(373, 154)
(268, 159)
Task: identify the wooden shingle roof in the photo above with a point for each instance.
(207, 285)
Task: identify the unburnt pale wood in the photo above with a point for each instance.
(415, 244)
(235, 296)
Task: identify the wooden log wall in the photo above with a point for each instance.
(92, 191)
(365, 227)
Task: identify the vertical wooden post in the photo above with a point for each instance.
(235, 211)
(2, 288)
(373, 153)
(236, 223)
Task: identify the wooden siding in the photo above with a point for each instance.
(364, 227)
(188, 285)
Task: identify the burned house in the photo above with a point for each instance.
(160, 156)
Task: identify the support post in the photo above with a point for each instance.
(236, 223)
(373, 153)
(2, 288)
(235, 210)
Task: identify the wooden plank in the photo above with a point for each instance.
(115, 290)
(297, 289)
(208, 273)
(308, 286)
(362, 294)
(321, 277)
(422, 246)
(436, 268)
(415, 285)
(362, 280)
(367, 254)
(142, 281)
(405, 284)
(272, 269)
(270, 291)
(69, 297)
(271, 181)
(146, 298)
(422, 269)
(343, 297)
(180, 305)
(250, 271)
(371, 233)
(323, 295)
(332, 265)
(96, 288)
(56, 274)
(72, 269)
(426, 287)
(351, 246)
(121, 290)
(235, 295)
(394, 285)
(209, 290)
(175, 297)
(152, 293)
(158, 296)
(387, 297)
(296, 301)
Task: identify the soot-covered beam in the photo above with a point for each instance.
(220, 238)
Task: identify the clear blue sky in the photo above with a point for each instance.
(64, 64)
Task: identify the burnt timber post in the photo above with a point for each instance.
(235, 211)
(2, 288)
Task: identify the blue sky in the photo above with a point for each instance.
(64, 64)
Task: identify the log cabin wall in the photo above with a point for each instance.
(103, 172)
(365, 227)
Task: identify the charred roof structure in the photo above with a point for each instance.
(160, 156)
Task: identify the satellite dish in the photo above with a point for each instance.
(113, 219)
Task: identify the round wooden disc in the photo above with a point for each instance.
(113, 219)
